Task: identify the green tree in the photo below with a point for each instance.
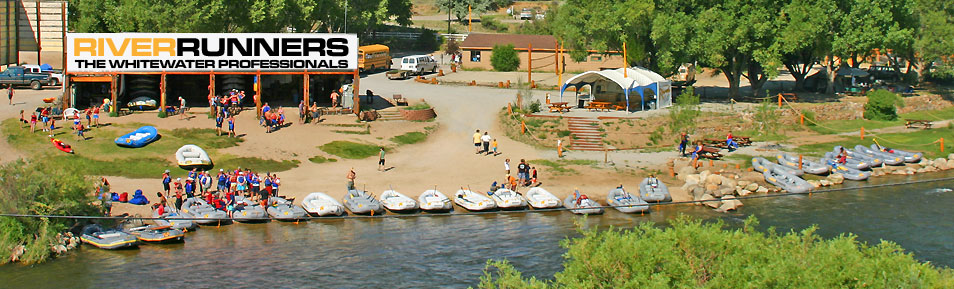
(40, 188)
(504, 58)
(604, 25)
(882, 105)
(459, 7)
(692, 254)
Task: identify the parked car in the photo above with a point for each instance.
(883, 73)
(418, 64)
(56, 76)
(526, 14)
(17, 75)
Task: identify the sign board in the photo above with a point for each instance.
(203, 52)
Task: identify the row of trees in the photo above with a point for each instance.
(753, 39)
(213, 16)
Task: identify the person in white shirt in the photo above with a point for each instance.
(485, 139)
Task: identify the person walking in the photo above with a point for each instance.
(334, 99)
(493, 144)
(683, 144)
(10, 93)
(477, 141)
(381, 159)
(96, 116)
(351, 176)
(485, 139)
(507, 166)
(182, 108)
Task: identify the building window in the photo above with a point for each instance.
(474, 56)
(596, 58)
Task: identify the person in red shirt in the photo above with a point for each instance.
(96, 116)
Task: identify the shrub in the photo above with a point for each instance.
(563, 133)
(682, 116)
(427, 41)
(534, 106)
(451, 47)
(162, 114)
(694, 254)
(418, 106)
(882, 105)
(491, 23)
(504, 58)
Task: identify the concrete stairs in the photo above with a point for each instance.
(585, 133)
(389, 114)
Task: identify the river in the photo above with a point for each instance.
(450, 251)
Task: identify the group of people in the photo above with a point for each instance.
(219, 190)
(698, 147)
(485, 144)
(272, 118)
(526, 175)
(45, 115)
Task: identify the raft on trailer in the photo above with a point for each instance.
(60, 145)
(507, 199)
(625, 202)
(434, 201)
(361, 202)
(158, 234)
(850, 162)
(397, 202)
(887, 158)
(808, 166)
(170, 220)
(473, 201)
(192, 156)
(908, 156)
(585, 207)
(788, 182)
(142, 103)
(872, 161)
(761, 164)
(284, 210)
(203, 213)
(651, 191)
(108, 239)
(539, 198)
(320, 204)
(138, 138)
(845, 171)
(246, 211)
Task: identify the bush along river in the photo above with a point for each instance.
(450, 251)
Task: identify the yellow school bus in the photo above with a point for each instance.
(374, 57)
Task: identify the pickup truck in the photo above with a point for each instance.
(55, 75)
(16, 75)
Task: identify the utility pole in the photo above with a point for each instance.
(449, 2)
(346, 17)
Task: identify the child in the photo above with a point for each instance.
(96, 116)
(79, 131)
(231, 126)
(494, 145)
(52, 126)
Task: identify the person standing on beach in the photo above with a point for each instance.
(351, 176)
(96, 116)
(486, 141)
(166, 179)
(231, 126)
(477, 141)
(523, 171)
(507, 166)
(493, 144)
(89, 116)
(381, 159)
(10, 93)
(218, 124)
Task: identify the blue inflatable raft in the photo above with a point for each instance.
(138, 138)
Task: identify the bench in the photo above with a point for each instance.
(398, 99)
(559, 107)
(914, 123)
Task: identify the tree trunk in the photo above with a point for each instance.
(756, 78)
(733, 73)
(831, 71)
(799, 71)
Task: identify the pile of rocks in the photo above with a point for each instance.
(720, 190)
(64, 242)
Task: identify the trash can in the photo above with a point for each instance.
(581, 104)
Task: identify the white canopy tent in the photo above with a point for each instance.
(636, 79)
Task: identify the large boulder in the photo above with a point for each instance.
(693, 179)
(729, 182)
(941, 164)
(709, 200)
(950, 164)
(762, 190)
(752, 187)
(950, 156)
(697, 192)
(752, 177)
(814, 183)
(744, 193)
(704, 175)
(685, 171)
(714, 179)
(724, 192)
(729, 204)
(711, 188)
(825, 182)
(836, 178)
(743, 183)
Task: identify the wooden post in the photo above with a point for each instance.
(509, 109)
(779, 100)
(212, 110)
(355, 84)
(799, 161)
(801, 119)
(162, 92)
(710, 163)
(672, 170)
(625, 63)
(942, 144)
(39, 46)
(307, 88)
(605, 155)
(523, 127)
(469, 19)
(560, 67)
(530, 62)
(560, 148)
(258, 94)
(862, 132)
(556, 59)
(63, 34)
(113, 93)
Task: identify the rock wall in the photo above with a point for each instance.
(421, 114)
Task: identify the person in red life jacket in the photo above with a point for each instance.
(96, 116)
(730, 143)
(843, 156)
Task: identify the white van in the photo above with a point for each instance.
(418, 64)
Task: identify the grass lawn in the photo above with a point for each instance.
(349, 150)
(560, 166)
(321, 159)
(100, 156)
(841, 126)
(410, 138)
(917, 141)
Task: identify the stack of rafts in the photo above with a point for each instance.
(848, 163)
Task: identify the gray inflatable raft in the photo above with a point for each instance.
(849, 162)
(625, 202)
(361, 202)
(788, 182)
(808, 166)
(872, 161)
(246, 211)
(158, 234)
(654, 191)
(171, 220)
(586, 206)
(847, 172)
(761, 164)
(908, 156)
(204, 213)
(888, 159)
(108, 239)
(284, 210)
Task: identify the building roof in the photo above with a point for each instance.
(487, 41)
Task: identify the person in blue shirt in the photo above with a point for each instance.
(166, 179)
(231, 126)
(189, 188)
(222, 184)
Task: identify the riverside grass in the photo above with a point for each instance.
(921, 140)
(100, 156)
(350, 150)
(690, 253)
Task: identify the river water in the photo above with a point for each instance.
(450, 251)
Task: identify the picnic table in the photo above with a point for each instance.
(720, 143)
(914, 123)
(599, 105)
(559, 106)
(710, 153)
